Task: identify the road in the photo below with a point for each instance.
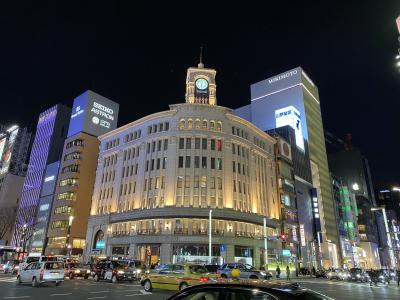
(80, 289)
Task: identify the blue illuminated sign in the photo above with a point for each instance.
(286, 252)
(100, 244)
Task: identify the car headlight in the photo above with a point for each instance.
(77, 271)
(263, 273)
(138, 271)
(121, 272)
(381, 277)
(358, 275)
(16, 267)
(87, 271)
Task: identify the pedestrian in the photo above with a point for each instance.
(287, 273)
(313, 271)
(398, 277)
(278, 272)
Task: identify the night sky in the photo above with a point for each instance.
(138, 55)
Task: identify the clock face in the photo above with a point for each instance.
(201, 84)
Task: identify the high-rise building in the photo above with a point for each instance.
(291, 98)
(92, 115)
(14, 147)
(50, 134)
(160, 179)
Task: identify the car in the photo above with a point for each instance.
(304, 271)
(177, 277)
(358, 275)
(246, 271)
(138, 266)
(321, 273)
(338, 274)
(112, 270)
(248, 290)
(212, 268)
(37, 273)
(74, 269)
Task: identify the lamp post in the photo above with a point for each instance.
(209, 237)
(68, 243)
(265, 244)
(389, 238)
(23, 236)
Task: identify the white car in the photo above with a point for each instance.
(40, 272)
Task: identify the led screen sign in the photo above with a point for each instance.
(100, 245)
(93, 114)
(7, 148)
(290, 116)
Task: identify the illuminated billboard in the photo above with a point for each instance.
(2, 145)
(8, 146)
(290, 116)
(93, 114)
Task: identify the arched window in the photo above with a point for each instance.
(190, 124)
(197, 124)
(212, 125)
(98, 238)
(219, 126)
(182, 124)
(205, 124)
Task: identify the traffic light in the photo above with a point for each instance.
(283, 237)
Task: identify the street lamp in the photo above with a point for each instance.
(69, 246)
(389, 238)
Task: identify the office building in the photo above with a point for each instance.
(291, 98)
(92, 115)
(14, 147)
(50, 134)
(160, 180)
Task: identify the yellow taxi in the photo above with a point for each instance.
(177, 277)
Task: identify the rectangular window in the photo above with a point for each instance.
(148, 148)
(212, 163)
(212, 144)
(181, 143)
(152, 164)
(187, 162)
(163, 182)
(204, 144)
(145, 185)
(212, 183)
(150, 184)
(234, 186)
(187, 181)
(234, 167)
(136, 169)
(153, 146)
(204, 162)
(164, 163)
(219, 183)
(159, 145)
(180, 162)
(188, 143)
(196, 181)
(239, 168)
(165, 144)
(203, 181)
(180, 182)
(197, 143)
(238, 150)
(219, 163)
(158, 163)
(233, 149)
(219, 145)
(197, 161)
(147, 165)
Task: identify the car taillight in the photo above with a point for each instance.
(41, 274)
(204, 279)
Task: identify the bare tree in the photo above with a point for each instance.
(7, 220)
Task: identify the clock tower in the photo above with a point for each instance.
(200, 85)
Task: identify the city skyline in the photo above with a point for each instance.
(349, 55)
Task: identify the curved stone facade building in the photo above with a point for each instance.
(158, 178)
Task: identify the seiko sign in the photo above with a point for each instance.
(282, 76)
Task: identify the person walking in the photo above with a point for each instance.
(287, 273)
(278, 272)
(398, 277)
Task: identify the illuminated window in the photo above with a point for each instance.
(219, 126)
(190, 124)
(212, 125)
(205, 124)
(182, 124)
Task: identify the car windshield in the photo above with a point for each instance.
(198, 269)
(32, 259)
(249, 267)
(53, 266)
(49, 258)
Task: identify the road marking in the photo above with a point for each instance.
(131, 295)
(101, 297)
(145, 293)
(16, 297)
(52, 295)
(98, 292)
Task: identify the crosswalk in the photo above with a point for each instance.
(8, 279)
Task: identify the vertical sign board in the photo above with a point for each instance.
(290, 116)
(8, 149)
(317, 220)
(302, 236)
(93, 114)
